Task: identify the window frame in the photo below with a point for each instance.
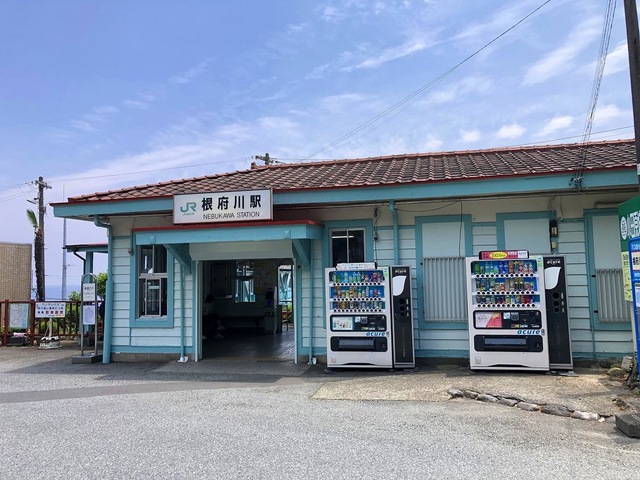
(242, 278)
(347, 231)
(165, 278)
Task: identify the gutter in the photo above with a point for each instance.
(108, 316)
(182, 358)
(396, 239)
(311, 286)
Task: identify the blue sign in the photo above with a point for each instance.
(634, 267)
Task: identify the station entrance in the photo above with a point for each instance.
(246, 310)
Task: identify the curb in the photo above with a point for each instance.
(549, 409)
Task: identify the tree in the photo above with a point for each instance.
(101, 285)
(38, 254)
(75, 296)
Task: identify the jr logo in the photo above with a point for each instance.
(189, 207)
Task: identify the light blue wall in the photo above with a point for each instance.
(419, 236)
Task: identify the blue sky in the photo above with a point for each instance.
(105, 94)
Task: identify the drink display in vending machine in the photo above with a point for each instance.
(358, 310)
(507, 314)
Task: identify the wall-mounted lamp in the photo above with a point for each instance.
(553, 227)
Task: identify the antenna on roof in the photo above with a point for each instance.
(266, 158)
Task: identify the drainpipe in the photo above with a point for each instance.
(106, 345)
(311, 286)
(183, 358)
(396, 239)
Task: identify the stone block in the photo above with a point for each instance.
(529, 407)
(484, 397)
(629, 424)
(509, 402)
(559, 410)
(594, 417)
(455, 393)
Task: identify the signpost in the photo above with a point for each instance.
(88, 317)
(50, 310)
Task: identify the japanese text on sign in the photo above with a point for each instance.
(50, 309)
(222, 207)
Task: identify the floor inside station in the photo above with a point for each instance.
(250, 344)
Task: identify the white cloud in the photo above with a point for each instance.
(555, 124)
(135, 104)
(390, 54)
(472, 85)
(335, 103)
(604, 114)
(476, 33)
(431, 144)
(105, 109)
(191, 73)
(279, 124)
(617, 60)
(562, 59)
(297, 28)
(510, 131)
(83, 125)
(331, 14)
(470, 136)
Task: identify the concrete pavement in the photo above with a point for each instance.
(28, 373)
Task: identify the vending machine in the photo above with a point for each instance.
(402, 318)
(558, 328)
(507, 313)
(358, 316)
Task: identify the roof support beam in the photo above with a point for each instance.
(302, 249)
(181, 253)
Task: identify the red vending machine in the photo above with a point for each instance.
(507, 313)
(358, 314)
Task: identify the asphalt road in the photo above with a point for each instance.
(277, 431)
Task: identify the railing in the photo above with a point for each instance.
(18, 317)
(611, 304)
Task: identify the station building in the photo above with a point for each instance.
(252, 239)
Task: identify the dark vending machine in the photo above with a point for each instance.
(401, 312)
(555, 284)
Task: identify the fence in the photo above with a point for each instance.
(18, 317)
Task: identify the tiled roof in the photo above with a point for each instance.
(416, 168)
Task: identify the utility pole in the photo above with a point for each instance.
(41, 292)
(63, 293)
(631, 20)
(266, 159)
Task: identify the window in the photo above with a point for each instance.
(347, 246)
(152, 281)
(244, 292)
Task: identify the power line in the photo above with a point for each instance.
(576, 181)
(409, 100)
(76, 179)
(537, 142)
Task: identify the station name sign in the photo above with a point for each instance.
(216, 207)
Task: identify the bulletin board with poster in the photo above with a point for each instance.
(19, 315)
(265, 275)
